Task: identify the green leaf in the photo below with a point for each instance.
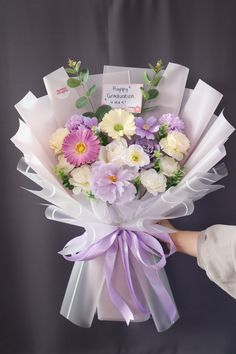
(72, 82)
(153, 93)
(84, 75)
(89, 114)
(70, 71)
(146, 78)
(156, 81)
(144, 93)
(81, 102)
(91, 90)
(102, 110)
(77, 66)
(151, 67)
(103, 138)
(147, 109)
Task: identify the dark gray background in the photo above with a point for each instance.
(37, 37)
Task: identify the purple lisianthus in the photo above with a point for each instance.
(78, 121)
(111, 183)
(145, 128)
(173, 122)
(149, 146)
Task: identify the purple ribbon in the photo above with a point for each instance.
(132, 244)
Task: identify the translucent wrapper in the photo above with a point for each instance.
(119, 260)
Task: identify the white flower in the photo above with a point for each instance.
(135, 156)
(168, 165)
(176, 144)
(63, 164)
(114, 152)
(117, 123)
(80, 179)
(57, 138)
(153, 181)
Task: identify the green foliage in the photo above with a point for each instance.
(101, 111)
(63, 177)
(137, 183)
(157, 155)
(103, 138)
(149, 91)
(73, 83)
(163, 132)
(91, 91)
(174, 180)
(81, 102)
(89, 114)
(89, 195)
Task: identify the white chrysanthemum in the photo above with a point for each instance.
(176, 145)
(168, 165)
(64, 165)
(114, 152)
(153, 181)
(80, 179)
(118, 123)
(57, 138)
(135, 156)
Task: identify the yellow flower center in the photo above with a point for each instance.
(118, 127)
(145, 126)
(80, 148)
(112, 178)
(135, 157)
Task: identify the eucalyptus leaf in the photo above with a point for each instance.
(70, 71)
(102, 110)
(91, 90)
(84, 75)
(89, 114)
(81, 102)
(146, 78)
(77, 66)
(147, 109)
(152, 93)
(72, 82)
(156, 81)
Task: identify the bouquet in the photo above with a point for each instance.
(116, 153)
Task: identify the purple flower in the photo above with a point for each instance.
(78, 121)
(111, 183)
(146, 128)
(173, 122)
(149, 146)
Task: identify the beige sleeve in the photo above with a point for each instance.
(216, 254)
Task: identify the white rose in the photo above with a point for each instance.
(64, 165)
(176, 144)
(114, 152)
(57, 138)
(80, 179)
(168, 165)
(153, 181)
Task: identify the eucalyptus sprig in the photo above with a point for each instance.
(79, 79)
(149, 90)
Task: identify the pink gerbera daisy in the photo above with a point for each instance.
(81, 147)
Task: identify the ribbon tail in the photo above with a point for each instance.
(117, 300)
(123, 247)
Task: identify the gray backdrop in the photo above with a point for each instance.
(38, 36)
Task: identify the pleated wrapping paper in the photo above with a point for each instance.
(119, 260)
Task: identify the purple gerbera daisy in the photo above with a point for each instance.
(173, 122)
(146, 127)
(81, 147)
(79, 121)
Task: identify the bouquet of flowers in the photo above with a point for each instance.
(115, 153)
